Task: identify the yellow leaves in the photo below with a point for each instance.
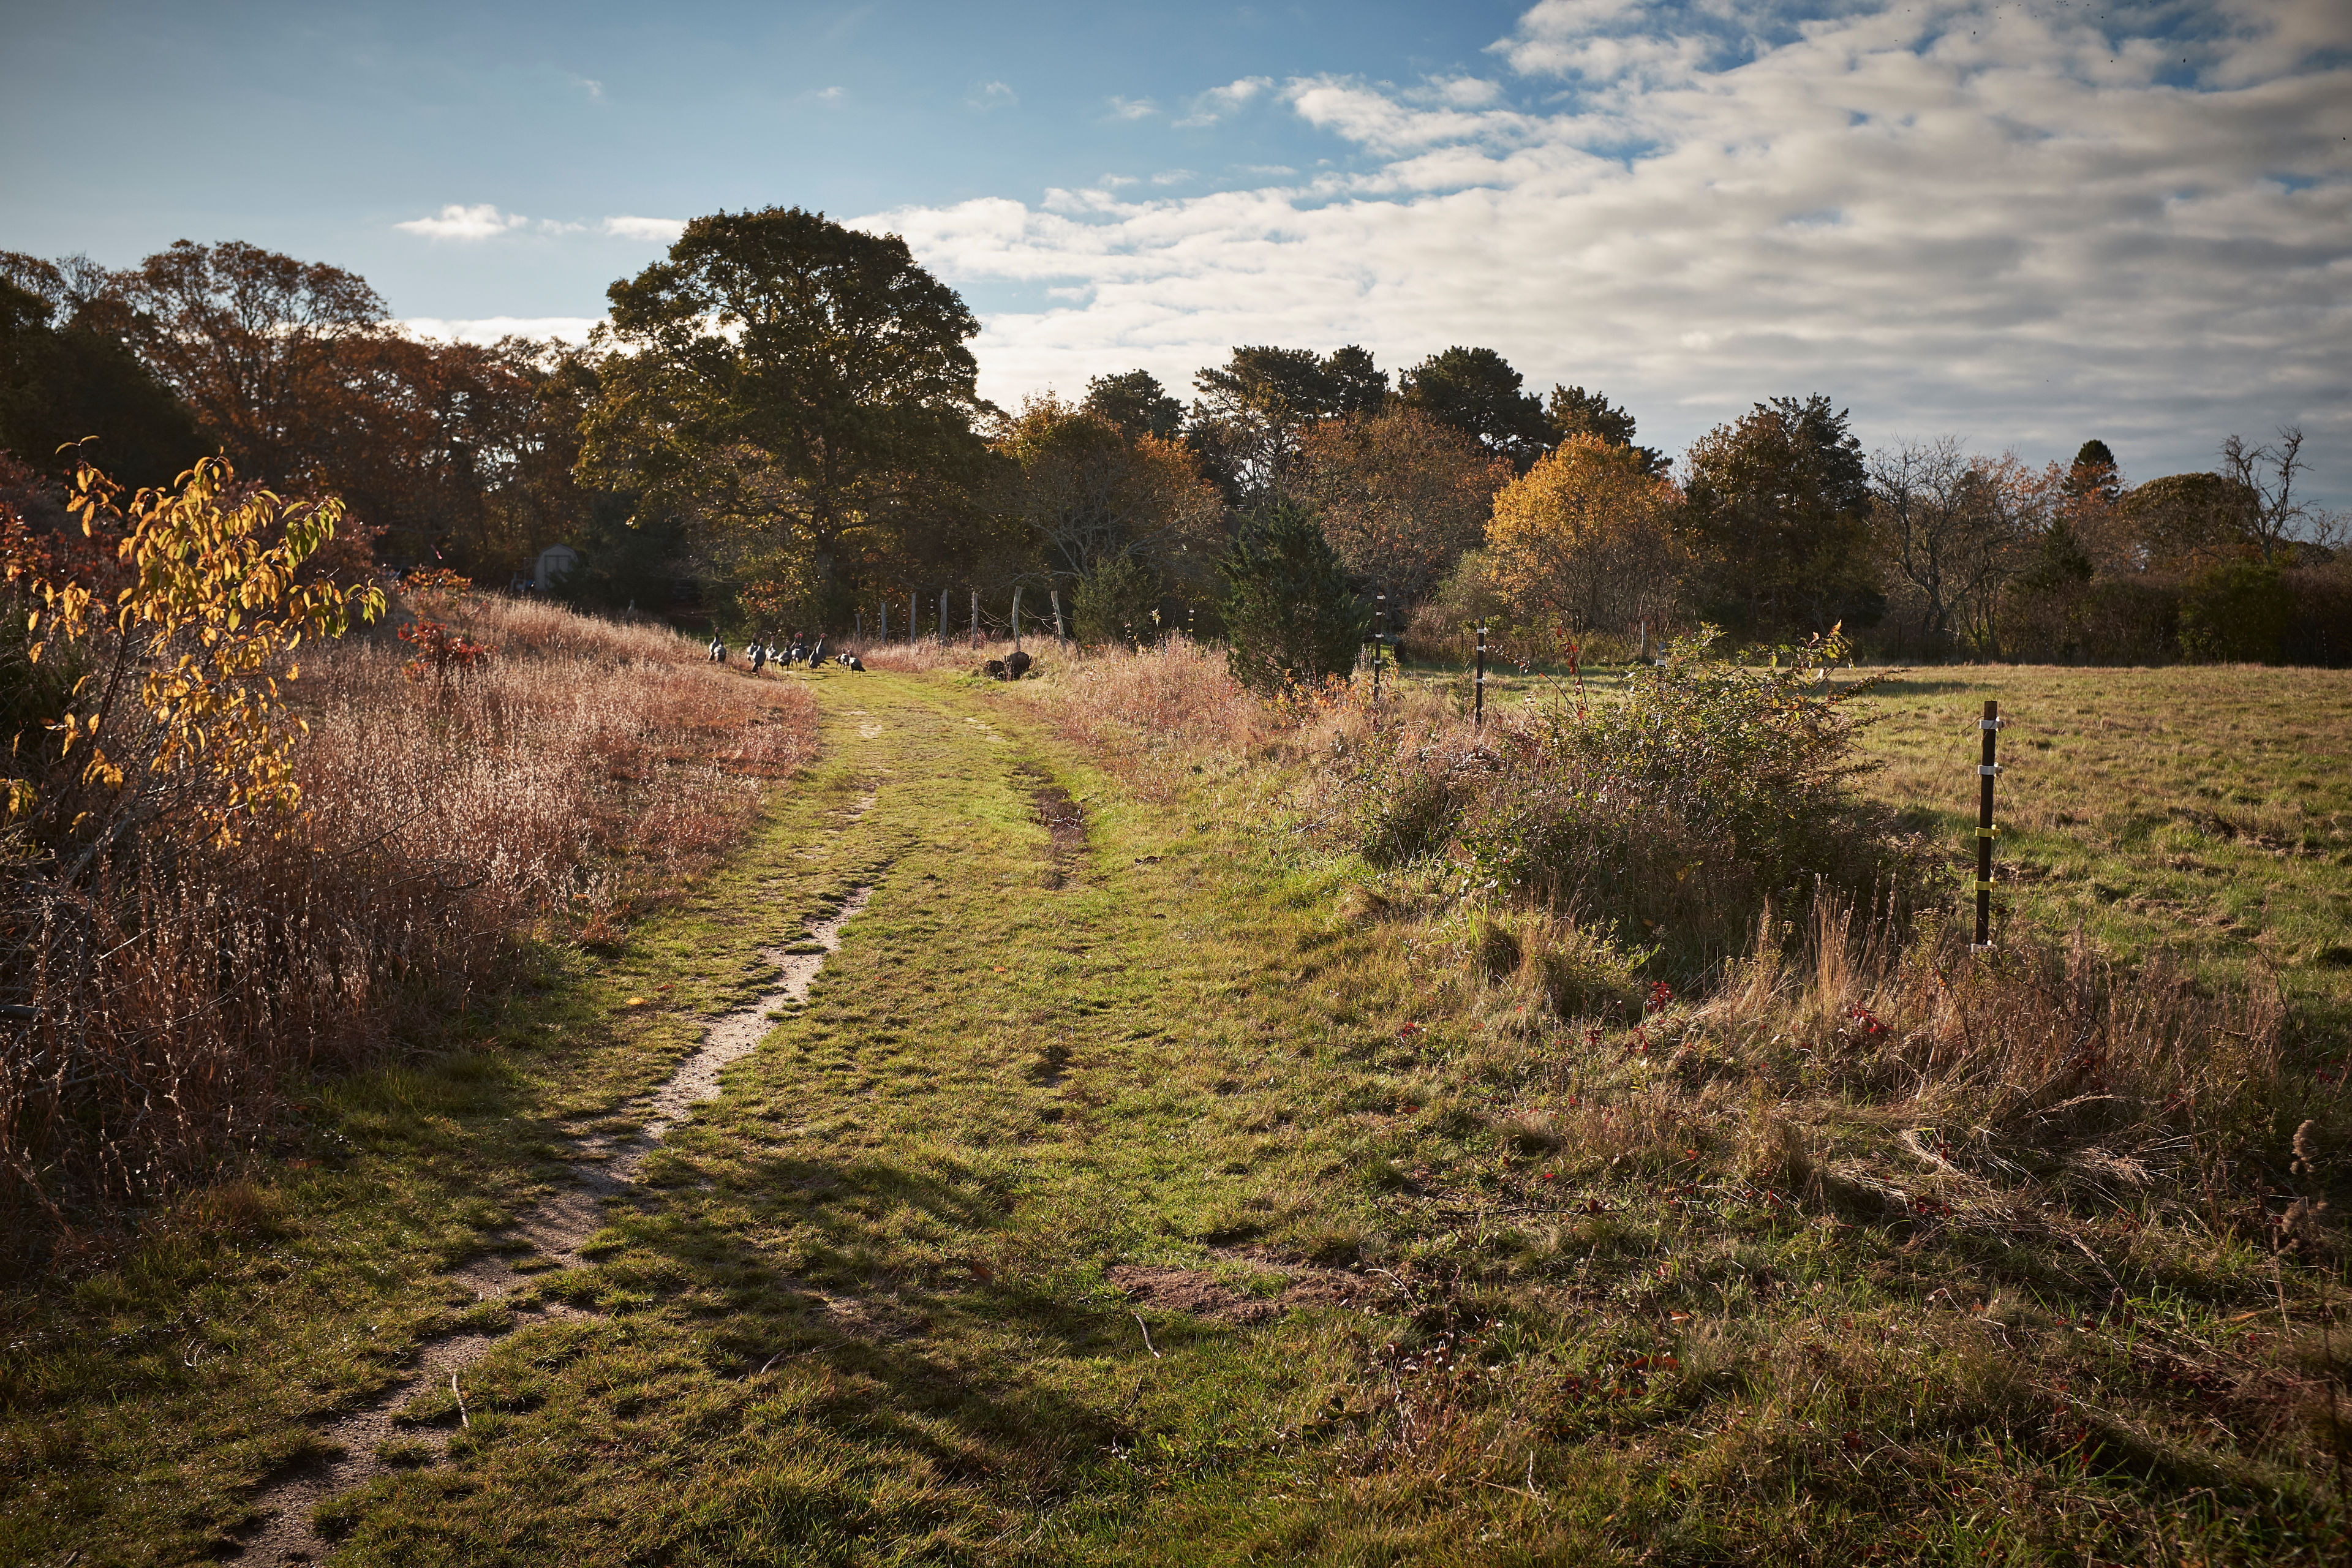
(212, 606)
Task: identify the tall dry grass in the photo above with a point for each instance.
(160, 1001)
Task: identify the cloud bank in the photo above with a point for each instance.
(2026, 228)
(459, 222)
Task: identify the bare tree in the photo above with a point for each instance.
(1953, 527)
(2263, 480)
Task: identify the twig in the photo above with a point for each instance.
(1147, 1334)
(463, 1419)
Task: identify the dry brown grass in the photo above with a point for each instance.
(581, 775)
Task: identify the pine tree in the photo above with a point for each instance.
(1289, 613)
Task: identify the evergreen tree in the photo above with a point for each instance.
(1290, 615)
(1113, 604)
(2095, 473)
(1779, 516)
(1136, 403)
(1476, 390)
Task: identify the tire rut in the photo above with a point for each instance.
(606, 1167)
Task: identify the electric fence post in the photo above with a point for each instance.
(1478, 683)
(1380, 629)
(1988, 771)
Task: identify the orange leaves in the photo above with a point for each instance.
(444, 657)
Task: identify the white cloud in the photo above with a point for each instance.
(1960, 216)
(1131, 108)
(659, 230)
(1218, 102)
(829, 96)
(992, 95)
(590, 85)
(1173, 177)
(456, 221)
(490, 329)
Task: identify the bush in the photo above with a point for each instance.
(2320, 632)
(2236, 613)
(1290, 617)
(1671, 817)
(1115, 602)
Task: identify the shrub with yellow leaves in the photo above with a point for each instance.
(172, 706)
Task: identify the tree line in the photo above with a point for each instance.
(781, 419)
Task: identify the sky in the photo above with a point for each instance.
(2024, 225)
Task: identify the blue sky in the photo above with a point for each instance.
(2021, 223)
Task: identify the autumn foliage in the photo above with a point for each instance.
(174, 709)
(223, 868)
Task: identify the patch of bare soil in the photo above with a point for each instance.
(1199, 1294)
(605, 1168)
(1065, 821)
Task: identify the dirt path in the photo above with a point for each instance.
(603, 1172)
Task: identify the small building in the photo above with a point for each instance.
(555, 562)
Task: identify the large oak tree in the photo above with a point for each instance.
(799, 390)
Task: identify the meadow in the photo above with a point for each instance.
(1149, 1177)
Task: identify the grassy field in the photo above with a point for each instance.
(1145, 1182)
(2201, 811)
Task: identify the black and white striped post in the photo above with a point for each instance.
(1478, 683)
(1379, 632)
(1987, 772)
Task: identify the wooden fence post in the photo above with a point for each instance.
(1478, 685)
(975, 620)
(1061, 633)
(1986, 771)
(1017, 617)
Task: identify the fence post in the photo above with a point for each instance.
(943, 617)
(1986, 771)
(1380, 627)
(1017, 617)
(1478, 685)
(1061, 633)
(975, 619)
(861, 625)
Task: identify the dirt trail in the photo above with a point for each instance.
(606, 1167)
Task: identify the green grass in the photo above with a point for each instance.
(2203, 811)
(863, 1313)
